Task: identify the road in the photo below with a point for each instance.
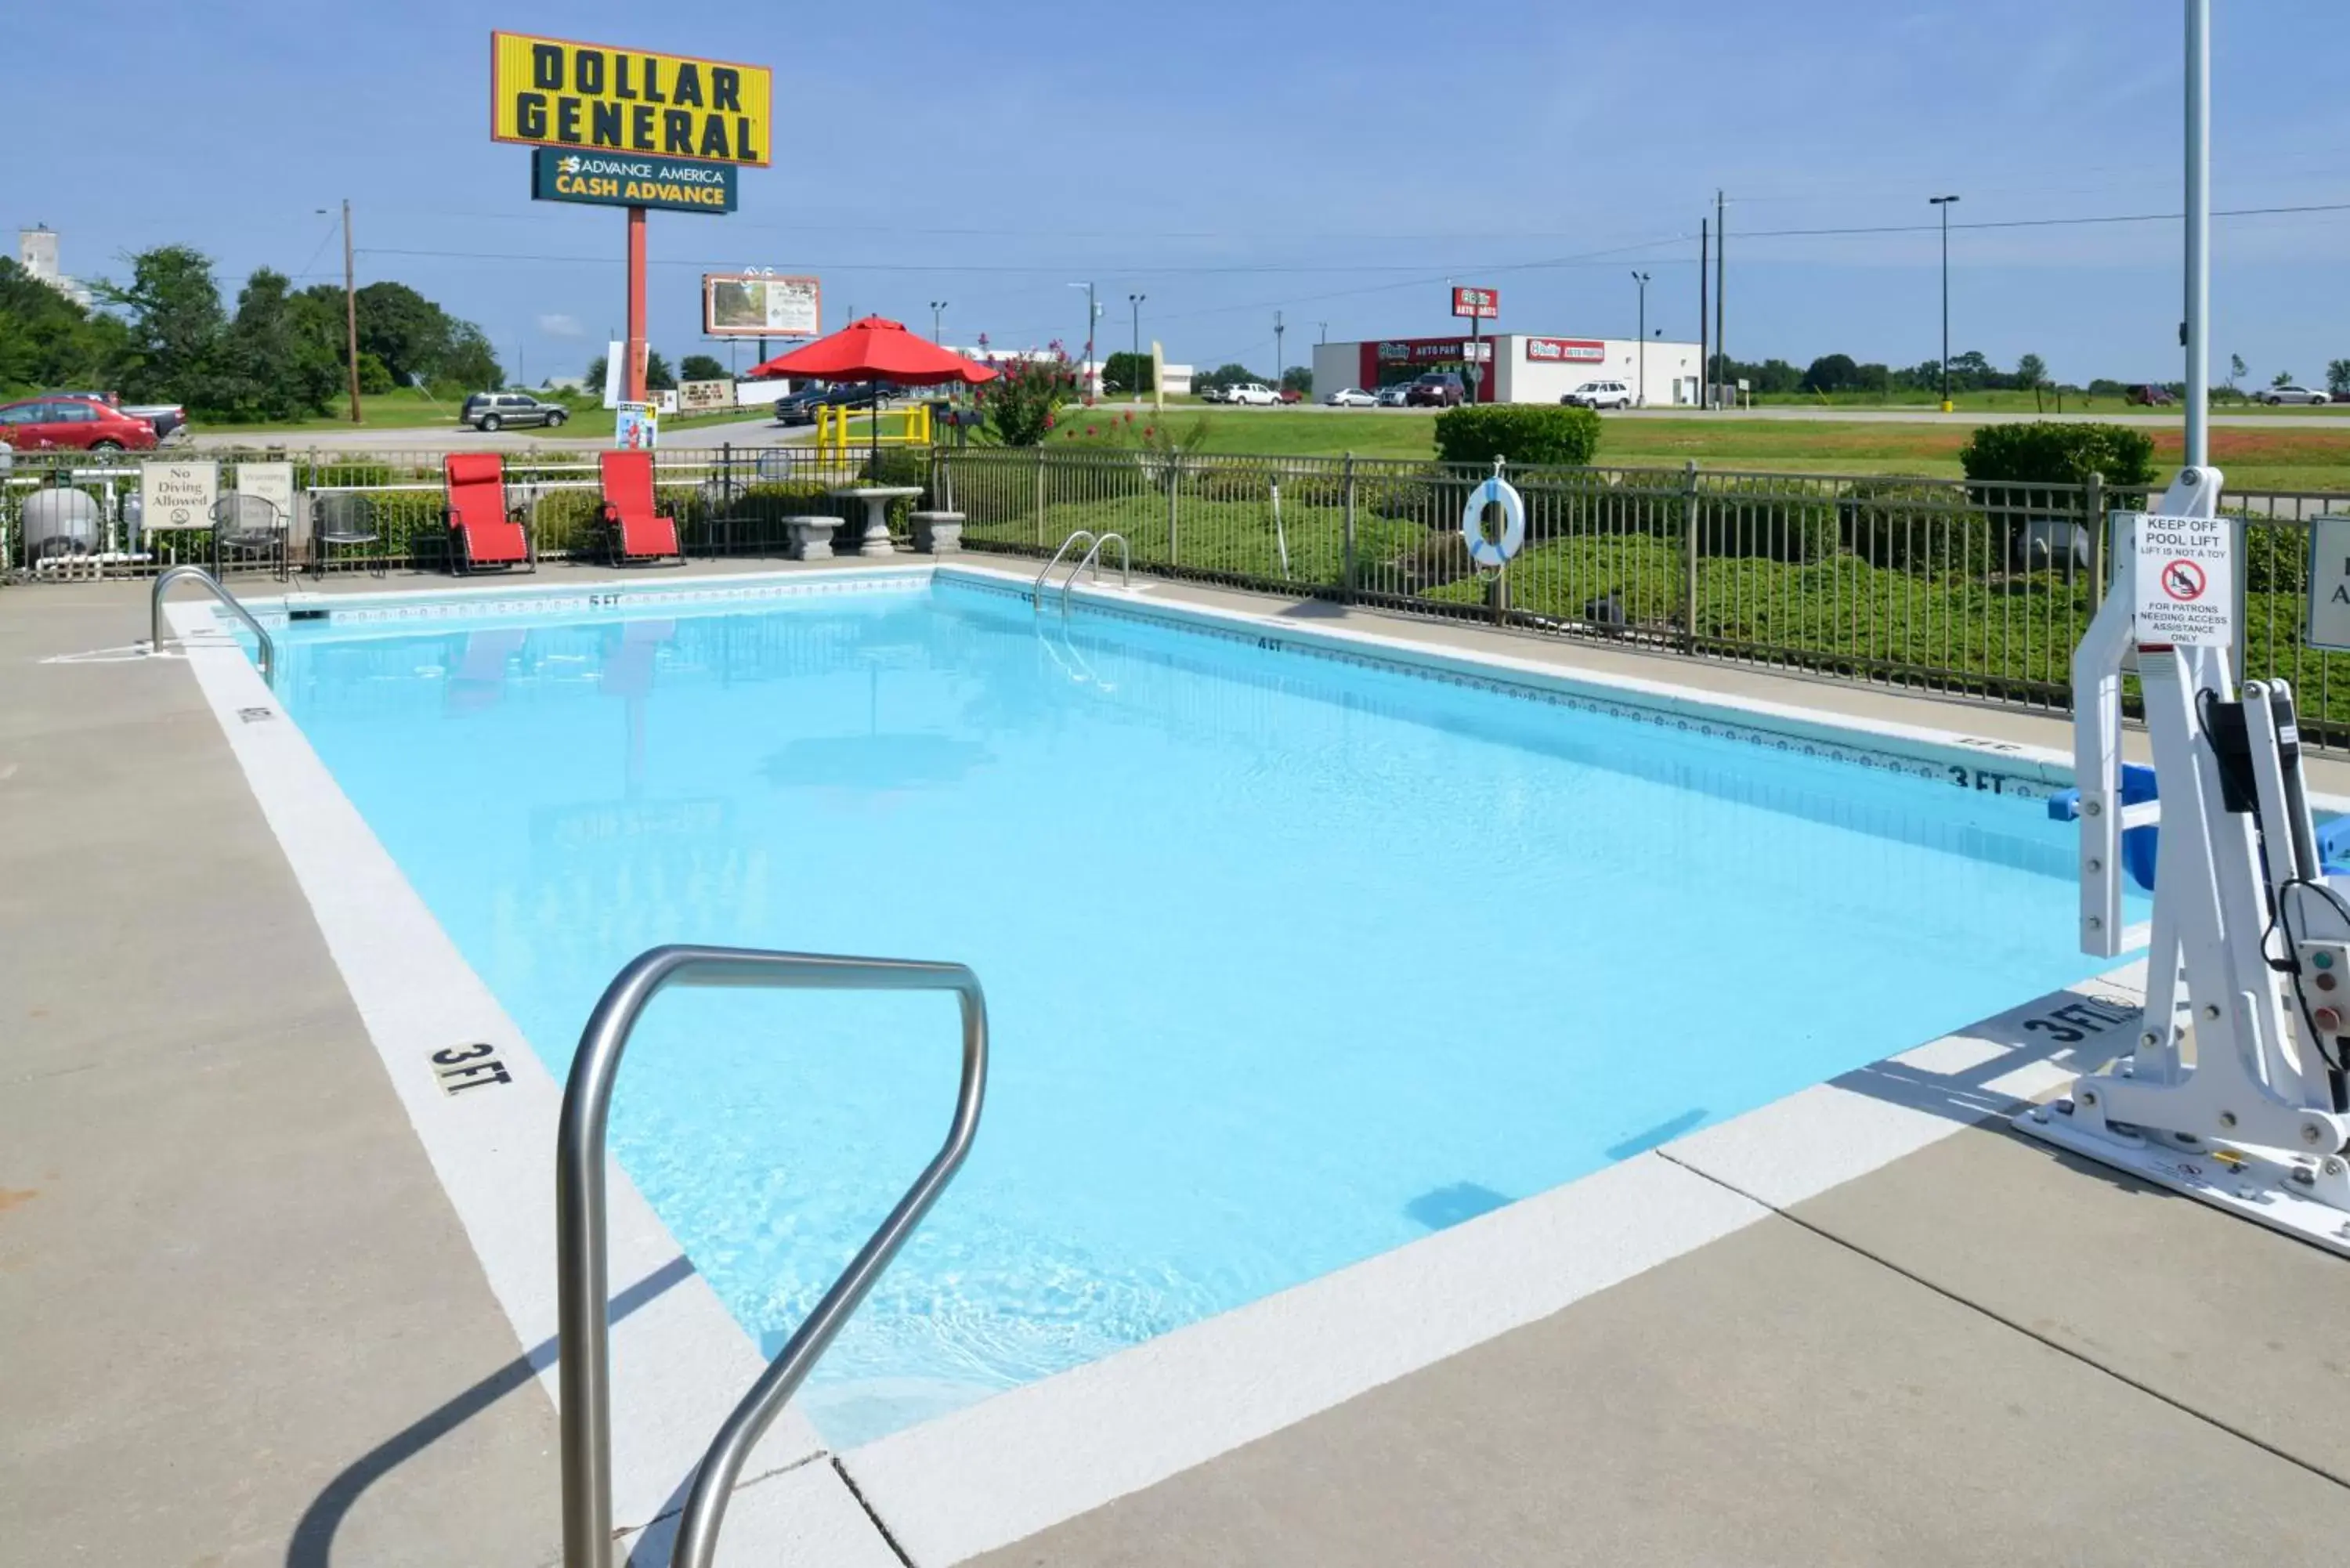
(755, 430)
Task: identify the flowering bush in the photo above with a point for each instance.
(1021, 400)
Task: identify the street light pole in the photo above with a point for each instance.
(936, 306)
(1134, 308)
(1642, 279)
(1944, 203)
(1280, 361)
(351, 313)
(1086, 381)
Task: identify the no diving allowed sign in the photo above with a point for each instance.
(2185, 582)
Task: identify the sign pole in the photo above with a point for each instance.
(632, 376)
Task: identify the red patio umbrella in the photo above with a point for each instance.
(875, 349)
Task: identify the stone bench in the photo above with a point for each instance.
(812, 538)
(938, 533)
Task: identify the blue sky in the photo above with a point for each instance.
(1334, 162)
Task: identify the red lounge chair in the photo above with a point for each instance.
(633, 531)
(482, 530)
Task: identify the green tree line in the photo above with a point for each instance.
(165, 334)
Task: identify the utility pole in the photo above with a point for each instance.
(1944, 203)
(1704, 365)
(1087, 383)
(350, 312)
(936, 306)
(1323, 327)
(1720, 283)
(1642, 279)
(1279, 363)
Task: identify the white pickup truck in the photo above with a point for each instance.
(1255, 393)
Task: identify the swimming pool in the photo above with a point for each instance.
(1291, 957)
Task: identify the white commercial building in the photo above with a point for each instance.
(1519, 366)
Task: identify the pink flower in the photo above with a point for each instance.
(1146, 429)
(1089, 430)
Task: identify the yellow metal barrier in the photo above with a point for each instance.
(832, 435)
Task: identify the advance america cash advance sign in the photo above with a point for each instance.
(618, 179)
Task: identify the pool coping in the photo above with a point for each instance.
(1018, 1461)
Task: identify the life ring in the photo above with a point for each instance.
(1494, 492)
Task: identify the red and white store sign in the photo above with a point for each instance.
(1484, 302)
(1566, 350)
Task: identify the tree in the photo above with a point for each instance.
(1126, 372)
(2031, 371)
(2281, 378)
(2337, 378)
(374, 379)
(701, 367)
(1831, 373)
(269, 367)
(658, 376)
(401, 327)
(49, 340)
(175, 324)
(2235, 370)
(1298, 379)
(597, 368)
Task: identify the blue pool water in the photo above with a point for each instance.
(1289, 961)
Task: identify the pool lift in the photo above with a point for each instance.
(2235, 1092)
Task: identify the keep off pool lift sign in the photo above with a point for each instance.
(2185, 582)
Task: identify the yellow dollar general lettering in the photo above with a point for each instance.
(556, 93)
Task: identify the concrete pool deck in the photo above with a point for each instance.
(245, 1327)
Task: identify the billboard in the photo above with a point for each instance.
(612, 180)
(760, 305)
(1484, 302)
(552, 92)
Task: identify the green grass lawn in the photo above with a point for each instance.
(408, 409)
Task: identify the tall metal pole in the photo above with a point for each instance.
(632, 374)
(2198, 232)
(350, 312)
(1280, 360)
(1134, 305)
(1093, 314)
(1943, 202)
(1704, 365)
(1720, 283)
(936, 306)
(1642, 279)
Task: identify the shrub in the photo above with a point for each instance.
(2276, 557)
(1022, 400)
(1909, 525)
(1522, 432)
(2044, 453)
(1760, 518)
(374, 379)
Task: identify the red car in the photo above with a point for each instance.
(84, 424)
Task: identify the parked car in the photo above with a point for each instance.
(1256, 394)
(1351, 398)
(1292, 395)
(798, 408)
(1435, 390)
(165, 417)
(82, 424)
(2276, 395)
(1394, 396)
(2149, 396)
(1214, 394)
(1599, 395)
(496, 410)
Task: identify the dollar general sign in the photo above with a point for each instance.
(551, 92)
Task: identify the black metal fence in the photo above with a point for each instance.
(1962, 586)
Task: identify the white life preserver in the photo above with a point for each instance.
(1500, 491)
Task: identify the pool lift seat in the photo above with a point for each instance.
(2236, 1091)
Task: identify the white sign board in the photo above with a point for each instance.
(616, 361)
(2185, 582)
(704, 397)
(2329, 583)
(273, 482)
(177, 494)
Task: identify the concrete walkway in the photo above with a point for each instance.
(242, 1325)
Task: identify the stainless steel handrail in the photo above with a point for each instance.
(582, 1268)
(1093, 559)
(198, 575)
(1036, 594)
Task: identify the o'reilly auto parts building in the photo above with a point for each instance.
(1519, 366)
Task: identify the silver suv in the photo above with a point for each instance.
(496, 410)
(1599, 395)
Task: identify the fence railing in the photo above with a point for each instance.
(1969, 587)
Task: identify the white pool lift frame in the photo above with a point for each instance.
(2235, 1092)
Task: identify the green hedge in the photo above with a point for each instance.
(1523, 433)
(2045, 452)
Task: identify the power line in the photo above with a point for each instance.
(2041, 222)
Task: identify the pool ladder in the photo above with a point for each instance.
(211, 585)
(583, 1270)
(1091, 558)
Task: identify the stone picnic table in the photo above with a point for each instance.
(876, 499)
